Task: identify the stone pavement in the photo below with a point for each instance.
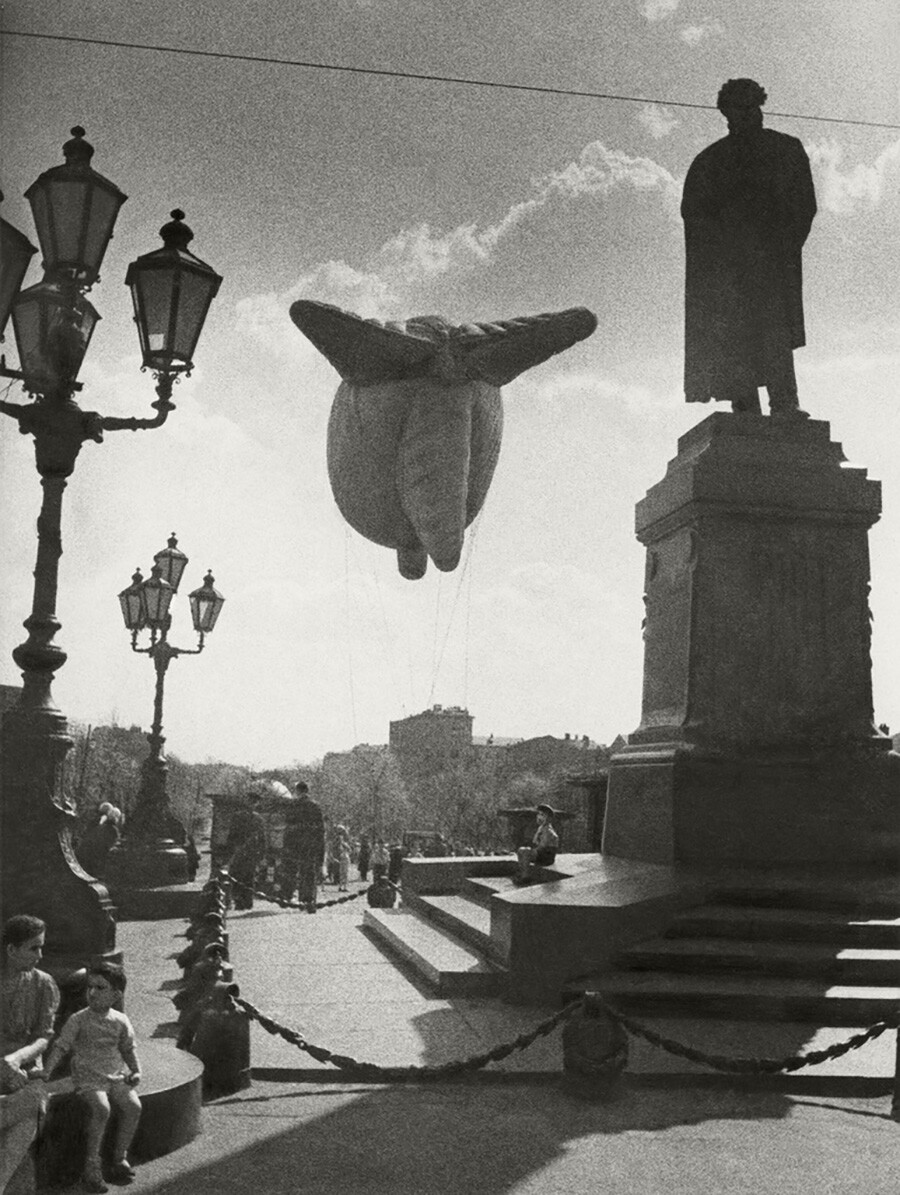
(510, 1130)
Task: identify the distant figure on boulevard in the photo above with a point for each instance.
(395, 862)
(106, 1071)
(380, 860)
(342, 850)
(748, 204)
(28, 1007)
(362, 859)
(303, 849)
(100, 839)
(544, 845)
(244, 850)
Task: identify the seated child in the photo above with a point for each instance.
(105, 1070)
(544, 845)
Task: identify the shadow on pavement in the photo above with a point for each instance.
(424, 1140)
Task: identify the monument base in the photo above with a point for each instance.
(673, 803)
(757, 742)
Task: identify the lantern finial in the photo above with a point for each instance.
(78, 152)
(176, 235)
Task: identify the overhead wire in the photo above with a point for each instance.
(423, 77)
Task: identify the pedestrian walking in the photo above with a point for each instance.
(343, 856)
(363, 859)
(303, 849)
(380, 860)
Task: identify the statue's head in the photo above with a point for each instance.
(740, 101)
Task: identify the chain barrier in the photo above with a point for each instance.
(399, 1074)
(747, 1066)
(721, 1062)
(296, 904)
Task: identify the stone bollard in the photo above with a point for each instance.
(207, 971)
(222, 1042)
(382, 894)
(212, 929)
(595, 1051)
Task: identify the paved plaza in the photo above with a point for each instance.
(510, 1130)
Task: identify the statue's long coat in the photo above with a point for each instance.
(747, 206)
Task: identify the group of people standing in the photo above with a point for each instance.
(310, 852)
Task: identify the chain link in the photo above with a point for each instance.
(399, 1074)
(296, 904)
(749, 1066)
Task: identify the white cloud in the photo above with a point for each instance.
(657, 121)
(859, 187)
(658, 10)
(418, 256)
(694, 34)
(600, 170)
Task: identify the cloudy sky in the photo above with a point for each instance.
(393, 197)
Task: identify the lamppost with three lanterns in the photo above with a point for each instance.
(74, 210)
(152, 854)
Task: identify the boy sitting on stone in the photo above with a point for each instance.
(105, 1070)
(544, 846)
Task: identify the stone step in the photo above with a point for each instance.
(766, 923)
(450, 967)
(811, 960)
(742, 997)
(482, 888)
(466, 918)
(878, 897)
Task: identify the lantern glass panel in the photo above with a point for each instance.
(152, 293)
(194, 297)
(172, 563)
(156, 596)
(130, 601)
(67, 201)
(206, 606)
(15, 254)
(104, 210)
(52, 335)
(27, 326)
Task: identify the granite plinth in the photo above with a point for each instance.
(756, 742)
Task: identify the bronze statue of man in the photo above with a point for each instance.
(747, 206)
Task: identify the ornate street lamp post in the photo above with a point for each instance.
(150, 856)
(74, 211)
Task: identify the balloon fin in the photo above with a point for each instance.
(498, 353)
(362, 351)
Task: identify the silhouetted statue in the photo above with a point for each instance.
(747, 206)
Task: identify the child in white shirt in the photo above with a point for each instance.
(105, 1070)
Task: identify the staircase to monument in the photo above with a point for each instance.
(818, 952)
(446, 939)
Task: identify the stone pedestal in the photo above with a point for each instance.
(756, 743)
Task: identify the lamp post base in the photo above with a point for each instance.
(40, 874)
(137, 864)
(149, 881)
